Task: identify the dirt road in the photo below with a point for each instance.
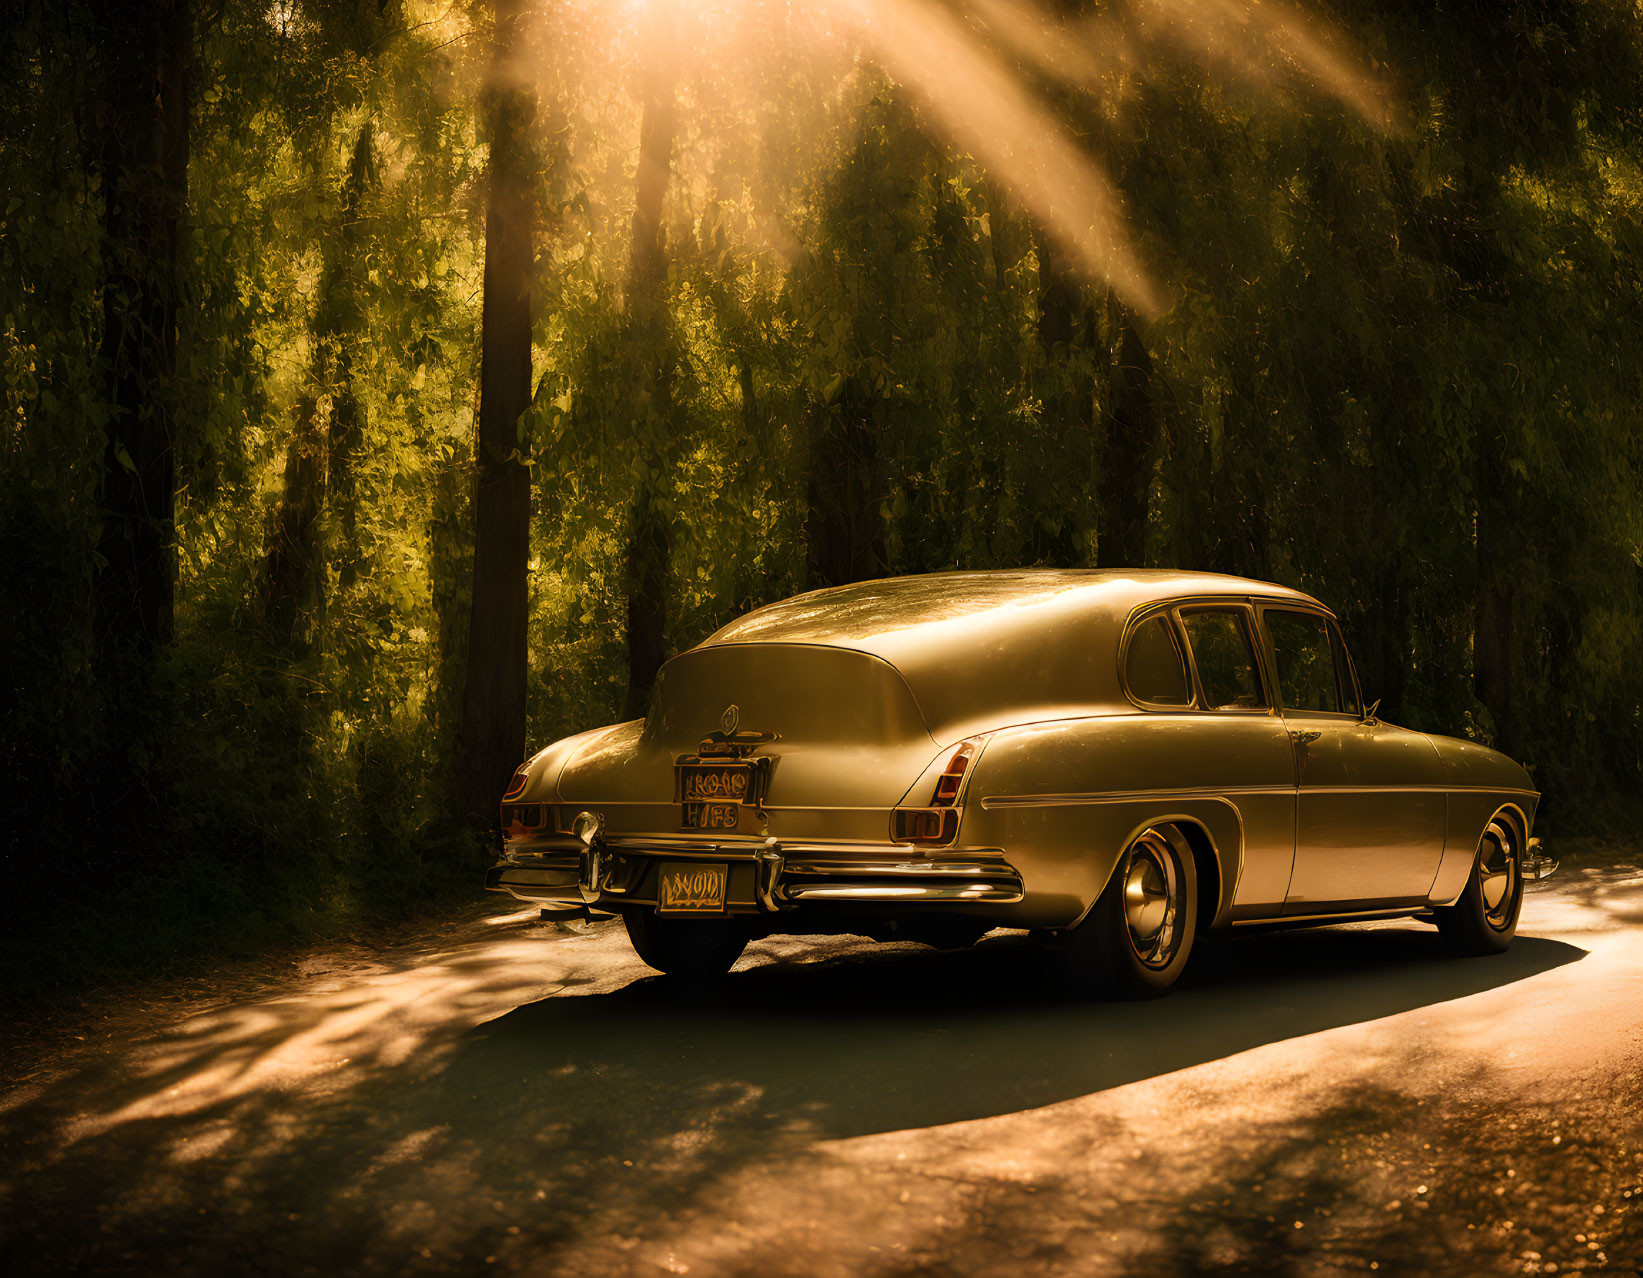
(512, 1096)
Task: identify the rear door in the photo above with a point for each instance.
(1370, 808)
(1235, 742)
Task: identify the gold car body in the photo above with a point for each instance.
(857, 697)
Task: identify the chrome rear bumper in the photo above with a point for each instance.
(1537, 864)
(765, 877)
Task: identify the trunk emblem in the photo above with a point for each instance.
(729, 719)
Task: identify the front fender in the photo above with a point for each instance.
(1481, 782)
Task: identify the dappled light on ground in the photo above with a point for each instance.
(525, 1096)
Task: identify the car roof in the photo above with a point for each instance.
(972, 644)
(867, 611)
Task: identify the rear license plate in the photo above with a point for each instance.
(690, 887)
(711, 794)
(715, 783)
(712, 816)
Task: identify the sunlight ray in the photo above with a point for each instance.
(982, 107)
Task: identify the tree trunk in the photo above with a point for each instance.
(492, 738)
(319, 471)
(347, 434)
(647, 262)
(760, 472)
(650, 544)
(1236, 521)
(450, 527)
(650, 551)
(144, 163)
(843, 532)
(1379, 640)
(1132, 431)
(1492, 638)
(285, 582)
(1066, 336)
(1002, 236)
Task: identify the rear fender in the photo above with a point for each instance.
(1040, 794)
(544, 768)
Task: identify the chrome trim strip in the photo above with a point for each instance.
(544, 894)
(921, 869)
(845, 852)
(899, 892)
(689, 851)
(1124, 796)
(1132, 796)
(1417, 789)
(617, 805)
(545, 859)
(684, 838)
(829, 807)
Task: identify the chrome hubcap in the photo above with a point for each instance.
(1152, 899)
(1498, 871)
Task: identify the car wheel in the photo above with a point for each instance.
(1484, 919)
(1135, 940)
(694, 949)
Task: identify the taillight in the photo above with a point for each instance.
(952, 776)
(520, 819)
(923, 825)
(937, 823)
(516, 787)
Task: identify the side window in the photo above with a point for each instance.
(1225, 660)
(1154, 668)
(1305, 654)
(1345, 674)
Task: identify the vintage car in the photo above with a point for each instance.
(1118, 760)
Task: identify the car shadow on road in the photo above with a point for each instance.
(619, 1114)
(904, 1039)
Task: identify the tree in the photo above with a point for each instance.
(650, 348)
(1067, 338)
(318, 465)
(855, 296)
(144, 56)
(1131, 439)
(492, 735)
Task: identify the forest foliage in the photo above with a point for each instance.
(1364, 316)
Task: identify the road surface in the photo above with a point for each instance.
(503, 1095)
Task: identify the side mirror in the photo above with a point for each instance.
(1369, 714)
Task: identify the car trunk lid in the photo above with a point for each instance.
(842, 729)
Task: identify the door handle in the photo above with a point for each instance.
(1301, 738)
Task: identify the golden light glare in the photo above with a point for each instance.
(1246, 38)
(983, 73)
(984, 108)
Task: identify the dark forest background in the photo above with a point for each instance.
(389, 387)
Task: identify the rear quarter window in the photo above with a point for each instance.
(1154, 669)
